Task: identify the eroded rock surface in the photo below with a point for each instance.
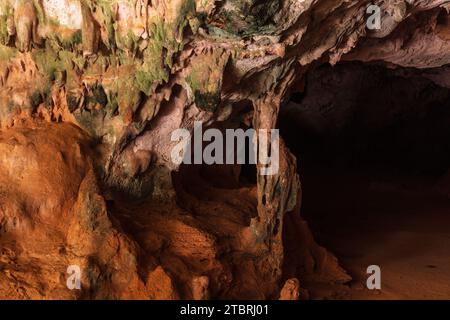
(89, 96)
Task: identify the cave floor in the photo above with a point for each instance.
(379, 217)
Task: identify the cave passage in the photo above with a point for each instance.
(373, 151)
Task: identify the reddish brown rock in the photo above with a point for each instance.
(89, 99)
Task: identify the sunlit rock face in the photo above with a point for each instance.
(90, 92)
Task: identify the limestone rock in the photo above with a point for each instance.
(89, 98)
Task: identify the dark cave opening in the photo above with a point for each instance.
(228, 187)
(373, 151)
(221, 174)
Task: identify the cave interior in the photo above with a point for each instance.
(373, 153)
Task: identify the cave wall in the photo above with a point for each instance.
(129, 72)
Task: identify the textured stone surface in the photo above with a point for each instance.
(88, 98)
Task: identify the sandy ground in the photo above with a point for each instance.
(400, 223)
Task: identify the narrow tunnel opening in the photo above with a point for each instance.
(373, 151)
(228, 185)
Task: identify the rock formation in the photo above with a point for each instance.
(90, 93)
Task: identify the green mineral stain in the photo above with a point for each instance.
(205, 100)
(7, 53)
(5, 12)
(248, 17)
(39, 12)
(165, 40)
